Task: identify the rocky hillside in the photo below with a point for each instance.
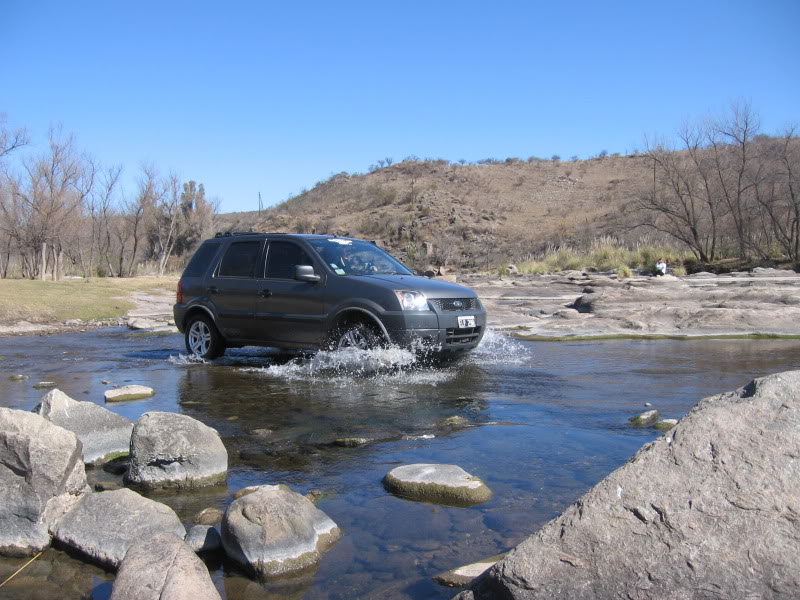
(466, 216)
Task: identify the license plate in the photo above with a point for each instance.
(464, 322)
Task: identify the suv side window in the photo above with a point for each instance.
(240, 259)
(198, 266)
(282, 258)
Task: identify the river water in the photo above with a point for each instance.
(546, 422)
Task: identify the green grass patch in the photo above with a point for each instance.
(650, 337)
(85, 299)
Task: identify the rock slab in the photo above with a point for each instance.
(41, 477)
(442, 484)
(101, 431)
(175, 451)
(709, 510)
(128, 392)
(274, 531)
(104, 525)
(163, 568)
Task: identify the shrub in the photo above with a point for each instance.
(623, 271)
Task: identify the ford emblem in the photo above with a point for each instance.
(458, 304)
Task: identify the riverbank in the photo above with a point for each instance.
(46, 307)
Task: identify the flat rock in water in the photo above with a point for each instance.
(708, 510)
(648, 417)
(163, 567)
(102, 432)
(128, 392)
(464, 575)
(41, 477)
(442, 484)
(104, 525)
(273, 531)
(170, 450)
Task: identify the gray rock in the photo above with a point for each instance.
(648, 417)
(455, 421)
(351, 442)
(139, 323)
(204, 538)
(163, 568)
(128, 392)
(461, 576)
(103, 433)
(175, 451)
(442, 484)
(41, 477)
(708, 510)
(272, 531)
(17, 377)
(666, 424)
(43, 385)
(105, 524)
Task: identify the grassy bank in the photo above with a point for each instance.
(85, 299)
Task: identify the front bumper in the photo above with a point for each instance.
(439, 340)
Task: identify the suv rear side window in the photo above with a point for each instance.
(240, 259)
(200, 261)
(282, 258)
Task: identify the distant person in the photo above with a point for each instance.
(661, 267)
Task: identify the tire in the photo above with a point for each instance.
(203, 339)
(354, 335)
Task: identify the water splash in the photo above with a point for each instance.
(499, 348)
(186, 359)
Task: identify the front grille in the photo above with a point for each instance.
(455, 303)
(466, 335)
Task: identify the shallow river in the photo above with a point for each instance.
(547, 421)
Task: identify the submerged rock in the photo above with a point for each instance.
(442, 484)
(666, 424)
(706, 511)
(163, 567)
(204, 538)
(272, 531)
(170, 450)
(456, 421)
(41, 477)
(208, 516)
(128, 392)
(648, 417)
(105, 524)
(103, 433)
(462, 576)
(17, 377)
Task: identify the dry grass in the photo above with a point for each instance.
(85, 299)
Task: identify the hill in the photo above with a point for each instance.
(466, 215)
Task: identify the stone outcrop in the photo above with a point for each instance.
(101, 431)
(273, 531)
(163, 567)
(443, 484)
(41, 477)
(104, 525)
(175, 451)
(709, 510)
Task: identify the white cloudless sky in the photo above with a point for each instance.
(273, 97)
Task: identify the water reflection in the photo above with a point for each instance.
(546, 421)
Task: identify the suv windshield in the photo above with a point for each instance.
(355, 257)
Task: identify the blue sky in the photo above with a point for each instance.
(273, 97)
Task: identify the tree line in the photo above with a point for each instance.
(726, 190)
(61, 211)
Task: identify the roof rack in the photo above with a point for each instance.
(220, 234)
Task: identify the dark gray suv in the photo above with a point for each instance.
(298, 291)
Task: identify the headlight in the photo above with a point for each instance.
(412, 300)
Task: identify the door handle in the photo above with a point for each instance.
(264, 293)
(212, 290)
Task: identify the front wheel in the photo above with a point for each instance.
(354, 335)
(203, 339)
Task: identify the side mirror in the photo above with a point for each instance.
(306, 273)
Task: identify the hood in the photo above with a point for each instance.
(432, 288)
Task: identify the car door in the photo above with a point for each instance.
(233, 287)
(290, 312)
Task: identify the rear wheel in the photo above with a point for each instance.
(203, 339)
(354, 335)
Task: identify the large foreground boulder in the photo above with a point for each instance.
(104, 525)
(102, 432)
(169, 450)
(163, 567)
(709, 510)
(41, 477)
(274, 531)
